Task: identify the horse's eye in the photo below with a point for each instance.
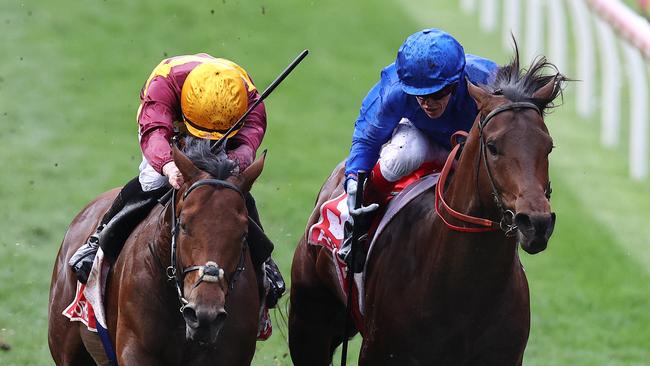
(492, 148)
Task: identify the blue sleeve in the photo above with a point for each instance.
(380, 113)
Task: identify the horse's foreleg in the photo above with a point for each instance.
(316, 315)
(133, 354)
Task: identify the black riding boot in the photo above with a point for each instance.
(82, 260)
(261, 248)
(346, 245)
(131, 205)
(345, 251)
(277, 286)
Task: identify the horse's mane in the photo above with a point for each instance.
(214, 163)
(519, 85)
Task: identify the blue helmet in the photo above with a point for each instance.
(428, 61)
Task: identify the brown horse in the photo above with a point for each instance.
(446, 286)
(218, 292)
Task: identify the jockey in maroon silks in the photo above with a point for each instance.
(193, 95)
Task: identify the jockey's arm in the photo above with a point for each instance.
(243, 146)
(159, 108)
(377, 119)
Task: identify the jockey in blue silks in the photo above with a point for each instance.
(408, 117)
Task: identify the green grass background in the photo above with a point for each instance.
(70, 73)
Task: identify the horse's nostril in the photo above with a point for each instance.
(189, 314)
(221, 317)
(523, 221)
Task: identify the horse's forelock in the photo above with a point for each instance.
(214, 163)
(519, 85)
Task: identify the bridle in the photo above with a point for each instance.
(211, 271)
(506, 224)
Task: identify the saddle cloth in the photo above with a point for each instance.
(87, 306)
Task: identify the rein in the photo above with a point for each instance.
(506, 224)
(211, 271)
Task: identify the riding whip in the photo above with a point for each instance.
(354, 241)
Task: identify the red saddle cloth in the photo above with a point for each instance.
(81, 310)
(328, 231)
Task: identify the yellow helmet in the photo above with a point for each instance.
(213, 98)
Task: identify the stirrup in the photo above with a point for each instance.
(82, 263)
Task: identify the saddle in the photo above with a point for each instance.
(333, 222)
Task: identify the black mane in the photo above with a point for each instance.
(215, 163)
(519, 85)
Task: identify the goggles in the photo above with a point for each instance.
(439, 94)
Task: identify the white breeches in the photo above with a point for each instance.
(407, 150)
(149, 178)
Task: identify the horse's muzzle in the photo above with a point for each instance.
(203, 324)
(534, 230)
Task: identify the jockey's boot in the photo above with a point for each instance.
(130, 206)
(82, 260)
(346, 246)
(345, 251)
(261, 249)
(276, 283)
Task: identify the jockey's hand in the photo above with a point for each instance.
(243, 155)
(170, 170)
(351, 189)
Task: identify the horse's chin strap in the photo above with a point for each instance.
(210, 272)
(506, 224)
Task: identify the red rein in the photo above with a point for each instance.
(484, 225)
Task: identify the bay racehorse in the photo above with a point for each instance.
(217, 293)
(444, 285)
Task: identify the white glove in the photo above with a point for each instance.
(351, 189)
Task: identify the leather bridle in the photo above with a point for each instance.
(211, 271)
(506, 223)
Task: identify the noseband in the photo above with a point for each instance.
(211, 271)
(506, 224)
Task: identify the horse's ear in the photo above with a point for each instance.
(546, 92)
(251, 173)
(185, 165)
(478, 94)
